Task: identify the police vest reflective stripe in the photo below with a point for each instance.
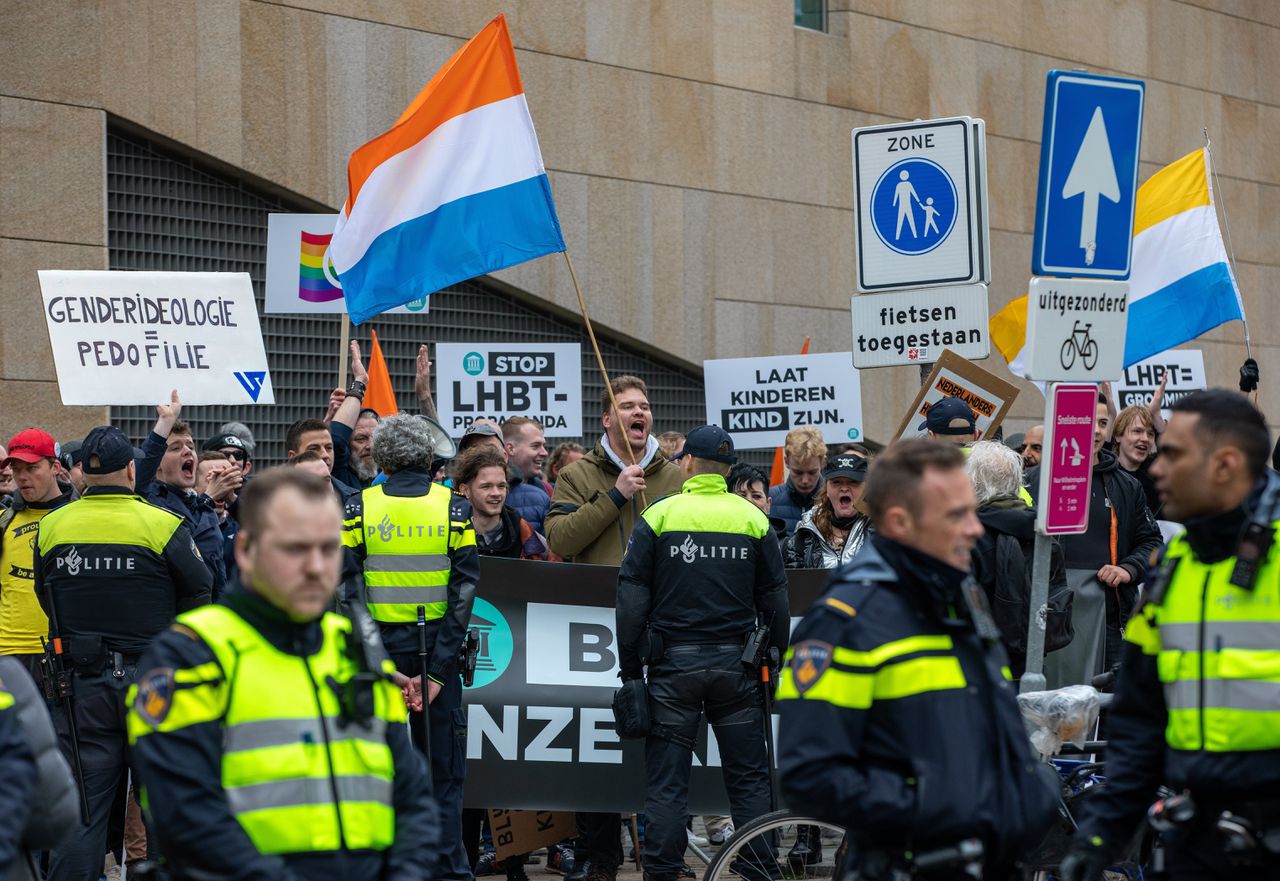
(855, 680)
(295, 777)
(6, 700)
(1217, 650)
(406, 565)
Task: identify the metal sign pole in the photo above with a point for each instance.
(1033, 678)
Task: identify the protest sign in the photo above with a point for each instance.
(540, 704)
(758, 400)
(132, 337)
(300, 275)
(1138, 385)
(988, 396)
(499, 380)
(516, 833)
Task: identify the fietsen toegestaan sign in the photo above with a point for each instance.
(758, 400)
(988, 396)
(1076, 329)
(1185, 368)
(131, 337)
(300, 275)
(499, 380)
(914, 327)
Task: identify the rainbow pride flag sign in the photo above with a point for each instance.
(300, 275)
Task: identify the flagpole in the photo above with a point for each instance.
(1231, 251)
(345, 356)
(595, 347)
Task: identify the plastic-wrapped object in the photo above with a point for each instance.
(1065, 715)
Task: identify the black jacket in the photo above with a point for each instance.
(181, 771)
(788, 505)
(1137, 536)
(1018, 522)
(18, 773)
(54, 811)
(897, 721)
(702, 566)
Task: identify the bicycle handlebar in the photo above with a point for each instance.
(968, 851)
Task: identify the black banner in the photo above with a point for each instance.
(539, 728)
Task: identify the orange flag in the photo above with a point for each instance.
(776, 475)
(378, 396)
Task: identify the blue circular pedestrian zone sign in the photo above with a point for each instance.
(913, 206)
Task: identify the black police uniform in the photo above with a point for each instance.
(899, 721)
(116, 570)
(701, 569)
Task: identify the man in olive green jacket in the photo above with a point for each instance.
(598, 499)
(596, 505)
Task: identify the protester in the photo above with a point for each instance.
(399, 570)
(687, 625)
(671, 443)
(351, 427)
(749, 482)
(805, 455)
(483, 431)
(235, 800)
(526, 449)
(312, 436)
(833, 530)
(893, 647)
(7, 487)
(231, 447)
(1002, 557)
(209, 469)
(33, 459)
(1134, 445)
(1194, 708)
(857, 449)
(166, 477)
(116, 571)
(69, 457)
(565, 454)
(594, 510)
(1032, 443)
(481, 478)
(1105, 564)
(310, 462)
(951, 421)
(240, 430)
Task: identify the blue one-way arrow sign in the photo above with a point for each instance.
(1088, 175)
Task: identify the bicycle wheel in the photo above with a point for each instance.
(1067, 357)
(760, 850)
(1090, 354)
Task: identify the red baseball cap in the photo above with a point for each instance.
(31, 446)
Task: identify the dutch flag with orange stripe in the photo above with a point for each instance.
(454, 190)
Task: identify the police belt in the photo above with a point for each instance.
(1263, 813)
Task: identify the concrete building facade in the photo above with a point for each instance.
(698, 150)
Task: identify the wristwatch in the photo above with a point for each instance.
(356, 389)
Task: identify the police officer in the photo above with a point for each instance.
(268, 737)
(899, 722)
(1197, 703)
(111, 571)
(702, 569)
(18, 771)
(412, 545)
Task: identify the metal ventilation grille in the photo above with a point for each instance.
(166, 211)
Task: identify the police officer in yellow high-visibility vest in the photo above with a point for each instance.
(1198, 697)
(411, 544)
(268, 737)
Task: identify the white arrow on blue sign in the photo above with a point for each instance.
(1088, 175)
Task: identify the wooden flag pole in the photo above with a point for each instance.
(345, 358)
(595, 347)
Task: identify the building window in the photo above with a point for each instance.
(811, 15)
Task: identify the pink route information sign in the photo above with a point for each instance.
(1067, 460)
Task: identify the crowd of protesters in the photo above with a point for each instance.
(530, 500)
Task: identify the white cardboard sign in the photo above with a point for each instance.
(914, 327)
(131, 337)
(758, 400)
(1076, 329)
(300, 276)
(499, 380)
(1138, 385)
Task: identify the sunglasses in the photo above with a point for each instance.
(233, 453)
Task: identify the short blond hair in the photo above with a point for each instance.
(804, 442)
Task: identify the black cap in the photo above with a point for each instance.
(709, 442)
(478, 429)
(938, 419)
(111, 447)
(847, 465)
(218, 441)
